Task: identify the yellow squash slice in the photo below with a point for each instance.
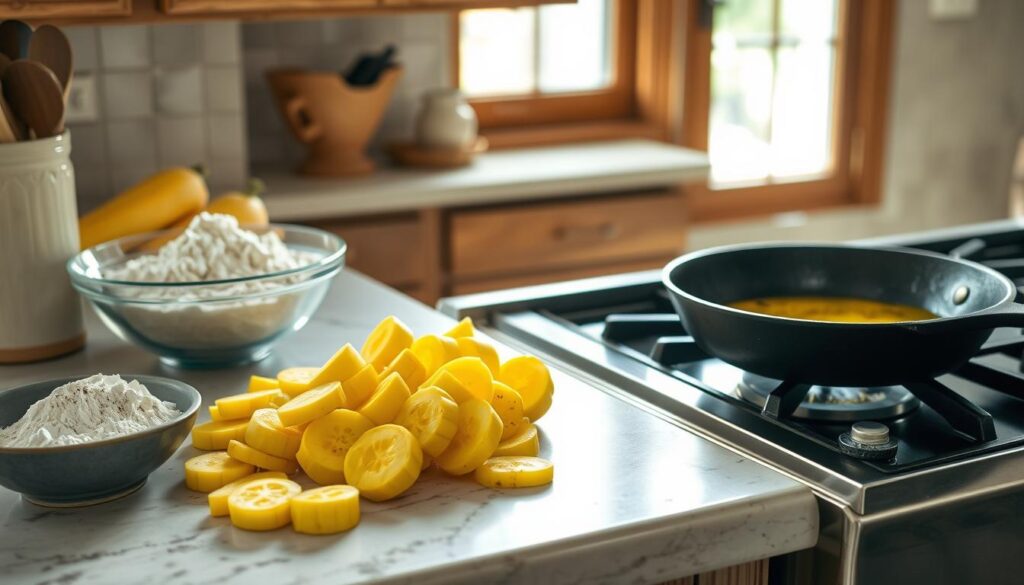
(531, 378)
(476, 439)
(386, 401)
(473, 374)
(325, 443)
(432, 417)
(515, 472)
(246, 454)
(312, 405)
(210, 471)
(266, 433)
(509, 406)
(360, 387)
(444, 380)
(295, 381)
(218, 498)
(264, 504)
(326, 510)
(384, 462)
(409, 367)
(473, 347)
(386, 341)
(215, 435)
(463, 328)
(215, 414)
(434, 351)
(258, 383)
(343, 365)
(526, 443)
(243, 405)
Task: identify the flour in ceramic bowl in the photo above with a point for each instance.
(91, 409)
(212, 248)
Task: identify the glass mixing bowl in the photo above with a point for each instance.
(212, 323)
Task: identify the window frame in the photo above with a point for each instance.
(861, 86)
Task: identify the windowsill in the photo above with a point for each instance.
(582, 132)
(506, 176)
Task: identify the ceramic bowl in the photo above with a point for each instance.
(92, 473)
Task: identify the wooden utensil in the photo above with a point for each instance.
(11, 129)
(4, 62)
(36, 97)
(51, 47)
(15, 36)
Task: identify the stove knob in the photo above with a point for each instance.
(868, 440)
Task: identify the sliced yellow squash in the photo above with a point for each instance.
(343, 365)
(473, 347)
(386, 401)
(475, 440)
(215, 435)
(509, 406)
(218, 498)
(409, 367)
(326, 510)
(384, 462)
(386, 341)
(266, 433)
(526, 443)
(515, 472)
(264, 504)
(243, 405)
(325, 443)
(258, 383)
(246, 454)
(531, 378)
(434, 351)
(463, 328)
(432, 417)
(360, 387)
(295, 381)
(210, 471)
(312, 404)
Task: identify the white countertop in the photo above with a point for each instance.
(494, 177)
(636, 498)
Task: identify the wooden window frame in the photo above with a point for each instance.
(636, 105)
(859, 120)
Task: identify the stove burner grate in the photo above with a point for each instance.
(831, 404)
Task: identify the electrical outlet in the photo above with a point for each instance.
(82, 106)
(952, 9)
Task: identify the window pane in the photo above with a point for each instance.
(496, 51)
(743, 17)
(741, 107)
(808, 19)
(802, 111)
(575, 54)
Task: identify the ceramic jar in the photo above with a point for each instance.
(446, 120)
(40, 315)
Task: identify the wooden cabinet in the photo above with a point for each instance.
(498, 242)
(52, 9)
(390, 249)
(199, 7)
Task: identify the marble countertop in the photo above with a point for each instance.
(495, 177)
(636, 498)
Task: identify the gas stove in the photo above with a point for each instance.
(917, 468)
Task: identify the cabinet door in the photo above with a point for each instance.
(25, 9)
(467, 4)
(259, 6)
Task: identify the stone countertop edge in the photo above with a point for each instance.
(636, 498)
(505, 176)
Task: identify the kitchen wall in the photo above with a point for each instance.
(956, 114)
(166, 95)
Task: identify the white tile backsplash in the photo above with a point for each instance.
(127, 94)
(179, 90)
(125, 46)
(176, 44)
(226, 137)
(181, 141)
(158, 87)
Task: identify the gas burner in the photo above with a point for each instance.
(832, 404)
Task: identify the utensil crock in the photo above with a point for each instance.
(40, 314)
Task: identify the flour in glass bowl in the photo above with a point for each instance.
(91, 409)
(213, 247)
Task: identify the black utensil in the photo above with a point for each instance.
(368, 67)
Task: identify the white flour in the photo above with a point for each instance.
(91, 409)
(213, 247)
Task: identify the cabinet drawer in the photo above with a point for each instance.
(566, 234)
(63, 8)
(388, 250)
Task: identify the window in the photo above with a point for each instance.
(788, 98)
(548, 64)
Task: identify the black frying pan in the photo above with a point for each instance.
(970, 300)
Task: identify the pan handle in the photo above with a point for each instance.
(1009, 314)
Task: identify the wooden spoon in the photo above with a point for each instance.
(36, 97)
(50, 47)
(4, 62)
(15, 36)
(10, 127)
